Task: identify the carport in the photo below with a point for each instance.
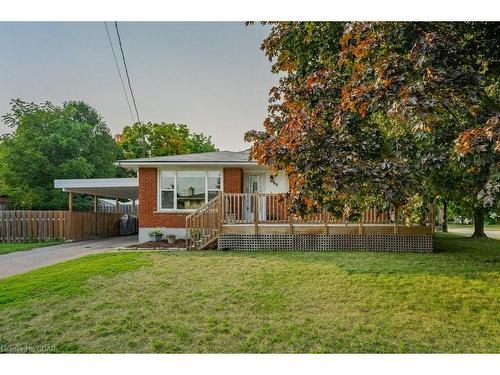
(89, 225)
(117, 188)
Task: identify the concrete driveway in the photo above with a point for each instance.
(24, 261)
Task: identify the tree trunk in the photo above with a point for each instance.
(444, 217)
(479, 223)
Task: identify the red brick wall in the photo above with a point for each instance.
(147, 204)
(233, 180)
(233, 183)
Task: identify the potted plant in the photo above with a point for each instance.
(155, 234)
(193, 233)
(170, 238)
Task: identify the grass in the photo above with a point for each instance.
(261, 302)
(6, 248)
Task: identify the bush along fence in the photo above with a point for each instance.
(38, 226)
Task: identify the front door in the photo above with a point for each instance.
(252, 185)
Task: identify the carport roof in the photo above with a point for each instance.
(127, 188)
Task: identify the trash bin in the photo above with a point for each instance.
(129, 224)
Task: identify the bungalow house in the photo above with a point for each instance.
(173, 187)
(225, 196)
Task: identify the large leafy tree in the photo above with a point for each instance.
(335, 158)
(442, 80)
(48, 142)
(367, 113)
(161, 139)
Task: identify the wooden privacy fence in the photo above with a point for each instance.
(33, 226)
(89, 225)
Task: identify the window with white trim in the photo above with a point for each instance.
(188, 190)
(167, 190)
(213, 184)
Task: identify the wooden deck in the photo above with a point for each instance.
(267, 214)
(262, 228)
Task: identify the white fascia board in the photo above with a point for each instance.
(96, 183)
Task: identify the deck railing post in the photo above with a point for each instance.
(361, 230)
(433, 218)
(187, 232)
(396, 214)
(220, 213)
(325, 219)
(256, 212)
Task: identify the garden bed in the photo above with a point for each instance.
(163, 244)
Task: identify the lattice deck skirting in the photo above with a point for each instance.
(324, 242)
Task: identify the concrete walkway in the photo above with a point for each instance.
(24, 261)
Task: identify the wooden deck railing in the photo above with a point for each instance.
(262, 210)
(246, 208)
(203, 226)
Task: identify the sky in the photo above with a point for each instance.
(211, 76)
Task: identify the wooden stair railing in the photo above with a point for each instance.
(203, 225)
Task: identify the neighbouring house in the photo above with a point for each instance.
(225, 196)
(4, 203)
(110, 205)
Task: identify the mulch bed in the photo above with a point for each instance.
(163, 244)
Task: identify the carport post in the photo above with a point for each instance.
(70, 201)
(95, 203)
(70, 216)
(117, 205)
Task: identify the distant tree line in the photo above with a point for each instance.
(48, 142)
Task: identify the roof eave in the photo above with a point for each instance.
(141, 164)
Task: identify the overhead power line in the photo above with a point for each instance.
(126, 72)
(119, 73)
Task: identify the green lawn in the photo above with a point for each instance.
(214, 301)
(6, 248)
